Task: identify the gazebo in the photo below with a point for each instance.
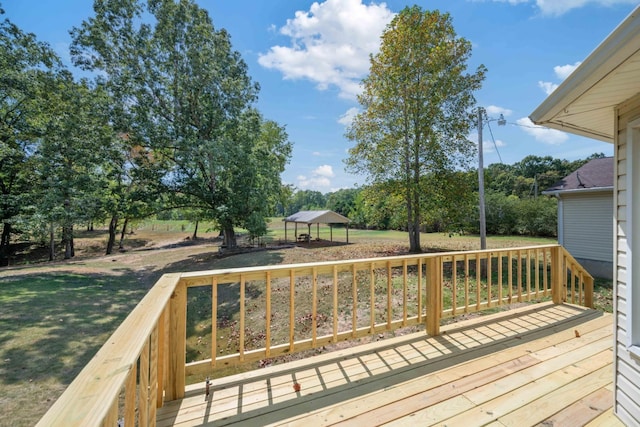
(315, 217)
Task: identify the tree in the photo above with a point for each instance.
(343, 200)
(187, 99)
(71, 153)
(25, 65)
(416, 103)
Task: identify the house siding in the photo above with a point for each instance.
(627, 384)
(588, 225)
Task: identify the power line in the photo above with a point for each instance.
(494, 141)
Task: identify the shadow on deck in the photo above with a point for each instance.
(540, 363)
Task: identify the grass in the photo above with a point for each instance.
(55, 316)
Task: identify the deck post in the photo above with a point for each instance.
(175, 386)
(588, 291)
(434, 295)
(557, 272)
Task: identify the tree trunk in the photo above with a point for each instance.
(4, 244)
(113, 225)
(52, 243)
(124, 230)
(195, 232)
(230, 238)
(67, 241)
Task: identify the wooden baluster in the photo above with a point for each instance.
(454, 285)
(478, 280)
(163, 331)
(405, 292)
(130, 401)
(489, 281)
(420, 290)
(354, 311)
(242, 316)
(153, 376)
(466, 283)
(314, 307)
(389, 295)
(335, 304)
(292, 313)
(519, 276)
(214, 321)
(500, 280)
(528, 275)
(267, 319)
(111, 419)
(372, 299)
(510, 272)
(545, 262)
(143, 386)
(537, 277)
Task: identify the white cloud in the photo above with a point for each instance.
(541, 133)
(330, 44)
(489, 147)
(348, 116)
(319, 179)
(548, 87)
(324, 170)
(563, 71)
(560, 7)
(493, 110)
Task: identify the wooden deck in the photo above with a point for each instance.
(544, 364)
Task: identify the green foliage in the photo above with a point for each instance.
(416, 114)
(305, 200)
(26, 68)
(342, 201)
(186, 99)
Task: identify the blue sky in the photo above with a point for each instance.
(309, 58)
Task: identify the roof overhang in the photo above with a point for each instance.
(584, 103)
(559, 193)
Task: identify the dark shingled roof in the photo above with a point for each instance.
(598, 173)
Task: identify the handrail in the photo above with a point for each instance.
(143, 364)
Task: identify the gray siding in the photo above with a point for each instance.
(588, 225)
(627, 377)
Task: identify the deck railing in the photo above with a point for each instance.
(258, 313)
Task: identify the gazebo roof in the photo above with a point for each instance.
(317, 217)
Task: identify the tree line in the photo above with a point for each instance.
(167, 122)
(514, 201)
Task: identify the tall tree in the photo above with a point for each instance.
(71, 153)
(416, 109)
(25, 65)
(188, 100)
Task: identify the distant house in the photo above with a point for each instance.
(585, 215)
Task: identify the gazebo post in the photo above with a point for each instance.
(347, 232)
(317, 231)
(331, 232)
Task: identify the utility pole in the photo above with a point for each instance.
(483, 220)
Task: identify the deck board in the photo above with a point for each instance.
(500, 369)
